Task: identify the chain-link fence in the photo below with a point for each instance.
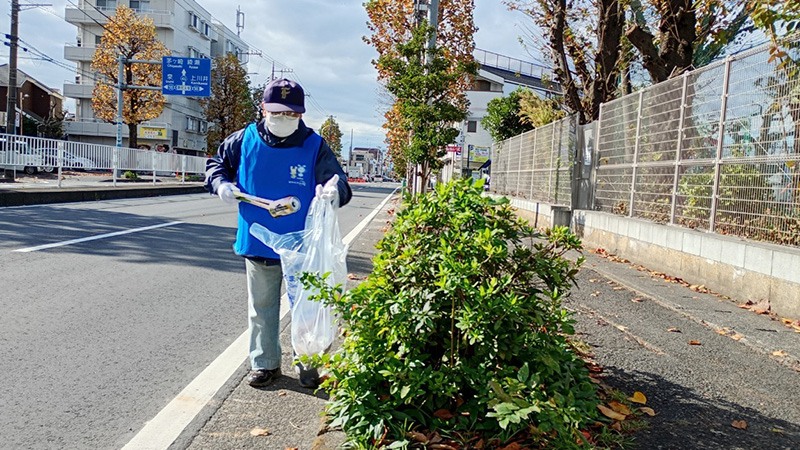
(537, 165)
(714, 149)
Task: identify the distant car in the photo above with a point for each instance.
(70, 161)
(388, 179)
(18, 156)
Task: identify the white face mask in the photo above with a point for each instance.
(282, 126)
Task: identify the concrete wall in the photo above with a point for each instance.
(741, 269)
(540, 214)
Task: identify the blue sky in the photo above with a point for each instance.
(320, 40)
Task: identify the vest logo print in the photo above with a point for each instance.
(297, 174)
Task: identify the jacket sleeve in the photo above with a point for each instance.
(328, 166)
(222, 167)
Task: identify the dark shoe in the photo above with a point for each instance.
(263, 377)
(309, 378)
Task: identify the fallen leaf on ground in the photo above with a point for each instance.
(443, 414)
(637, 300)
(673, 329)
(512, 446)
(639, 398)
(595, 293)
(737, 337)
(619, 288)
(352, 276)
(443, 447)
(779, 353)
(648, 411)
(740, 424)
(619, 407)
(419, 437)
(694, 342)
(621, 328)
(616, 426)
(281, 393)
(610, 413)
(594, 280)
(260, 432)
(777, 430)
(787, 321)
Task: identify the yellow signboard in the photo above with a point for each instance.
(152, 132)
(478, 154)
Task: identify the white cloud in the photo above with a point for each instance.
(321, 40)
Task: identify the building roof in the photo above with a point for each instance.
(523, 80)
(22, 77)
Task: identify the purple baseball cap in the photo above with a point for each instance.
(284, 95)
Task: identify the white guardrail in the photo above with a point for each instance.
(31, 154)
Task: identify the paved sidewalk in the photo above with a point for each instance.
(639, 326)
(291, 414)
(702, 361)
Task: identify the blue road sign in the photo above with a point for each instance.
(190, 77)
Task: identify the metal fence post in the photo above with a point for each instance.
(59, 159)
(679, 150)
(183, 169)
(155, 155)
(720, 138)
(551, 164)
(519, 168)
(636, 154)
(114, 165)
(557, 153)
(533, 161)
(595, 159)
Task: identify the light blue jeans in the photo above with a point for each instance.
(264, 305)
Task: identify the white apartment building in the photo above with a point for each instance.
(498, 76)
(185, 28)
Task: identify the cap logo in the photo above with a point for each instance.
(285, 92)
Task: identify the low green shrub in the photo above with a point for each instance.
(130, 175)
(460, 329)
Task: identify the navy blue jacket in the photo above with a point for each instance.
(222, 167)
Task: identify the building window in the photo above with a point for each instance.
(97, 39)
(472, 126)
(194, 21)
(140, 5)
(192, 124)
(359, 157)
(107, 4)
(481, 85)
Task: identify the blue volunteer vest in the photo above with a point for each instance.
(273, 173)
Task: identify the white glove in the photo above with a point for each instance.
(225, 192)
(330, 191)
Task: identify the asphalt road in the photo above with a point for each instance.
(97, 336)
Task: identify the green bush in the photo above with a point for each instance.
(130, 175)
(460, 329)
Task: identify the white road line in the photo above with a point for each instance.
(94, 238)
(160, 432)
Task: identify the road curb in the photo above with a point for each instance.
(24, 197)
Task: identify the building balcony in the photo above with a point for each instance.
(87, 14)
(77, 53)
(98, 128)
(78, 90)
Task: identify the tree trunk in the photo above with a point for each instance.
(562, 69)
(609, 36)
(132, 138)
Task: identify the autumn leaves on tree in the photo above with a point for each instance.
(133, 37)
(428, 84)
(231, 105)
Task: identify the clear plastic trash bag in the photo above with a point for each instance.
(317, 249)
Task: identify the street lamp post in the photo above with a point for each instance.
(22, 111)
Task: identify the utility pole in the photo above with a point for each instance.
(11, 101)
